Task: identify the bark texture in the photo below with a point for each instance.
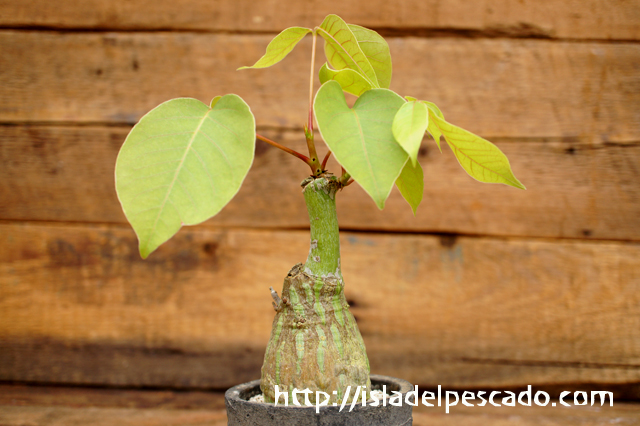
(315, 343)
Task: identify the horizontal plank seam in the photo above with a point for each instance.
(535, 363)
(420, 32)
(63, 123)
(37, 383)
(108, 386)
(580, 142)
(400, 232)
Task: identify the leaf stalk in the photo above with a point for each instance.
(324, 161)
(285, 149)
(316, 167)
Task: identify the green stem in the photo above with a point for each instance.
(324, 253)
(315, 342)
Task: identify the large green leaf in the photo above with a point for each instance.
(409, 126)
(342, 49)
(350, 81)
(479, 157)
(280, 47)
(411, 184)
(361, 138)
(376, 49)
(181, 164)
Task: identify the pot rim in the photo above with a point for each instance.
(241, 393)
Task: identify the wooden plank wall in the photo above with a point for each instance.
(488, 287)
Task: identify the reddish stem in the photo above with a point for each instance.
(285, 149)
(324, 161)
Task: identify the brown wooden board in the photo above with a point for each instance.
(166, 399)
(587, 19)
(496, 88)
(619, 413)
(62, 406)
(625, 414)
(575, 189)
(79, 306)
(68, 416)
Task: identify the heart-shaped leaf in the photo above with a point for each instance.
(280, 47)
(361, 138)
(411, 184)
(349, 80)
(181, 164)
(342, 49)
(479, 157)
(376, 49)
(409, 126)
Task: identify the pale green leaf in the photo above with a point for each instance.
(479, 157)
(376, 49)
(433, 108)
(214, 101)
(280, 47)
(342, 49)
(431, 128)
(411, 184)
(361, 138)
(409, 126)
(349, 80)
(181, 164)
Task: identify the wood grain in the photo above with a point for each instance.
(67, 416)
(62, 406)
(590, 19)
(66, 396)
(620, 413)
(81, 307)
(496, 88)
(575, 189)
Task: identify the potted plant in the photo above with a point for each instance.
(185, 160)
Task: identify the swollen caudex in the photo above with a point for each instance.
(315, 343)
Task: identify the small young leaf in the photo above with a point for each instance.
(433, 108)
(181, 164)
(411, 184)
(409, 126)
(431, 128)
(280, 47)
(376, 49)
(479, 157)
(214, 101)
(349, 80)
(361, 138)
(342, 49)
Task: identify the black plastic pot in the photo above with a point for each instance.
(241, 412)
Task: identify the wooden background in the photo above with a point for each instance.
(488, 287)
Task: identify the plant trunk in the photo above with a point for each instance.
(315, 343)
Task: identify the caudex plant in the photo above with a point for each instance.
(185, 160)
